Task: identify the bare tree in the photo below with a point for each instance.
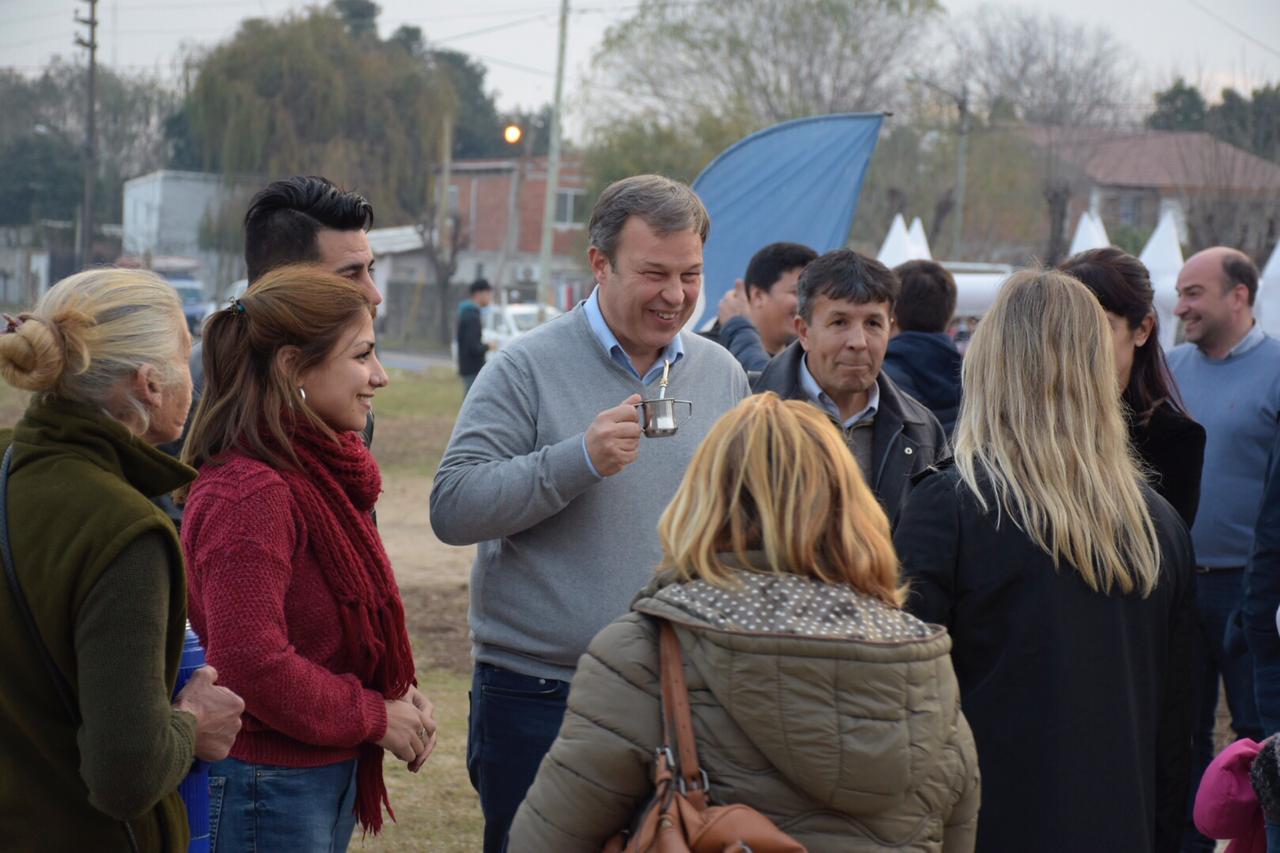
(1229, 196)
(765, 61)
(1040, 70)
(1044, 70)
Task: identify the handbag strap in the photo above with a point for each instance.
(11, 573)
(677, 720)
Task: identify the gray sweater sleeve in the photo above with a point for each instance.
(134, 747)
(495, 480)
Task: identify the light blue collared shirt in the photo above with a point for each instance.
(1248, 342)
(595, 318)
(817, 395)
(673, 352)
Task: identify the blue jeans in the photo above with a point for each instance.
(514, 720)
(260, 807)
(1220, 651)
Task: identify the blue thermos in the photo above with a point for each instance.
(194, 789)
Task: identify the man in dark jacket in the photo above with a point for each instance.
(471, 346)
(922, 358)
(1262, 599)
(756, 320)
(845, 305)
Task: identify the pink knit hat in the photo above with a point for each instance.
(1226, 806)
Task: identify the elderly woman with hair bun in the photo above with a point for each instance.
(1066, 583)
(816, 699)
(91, 750)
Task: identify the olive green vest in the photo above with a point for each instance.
(78, 494)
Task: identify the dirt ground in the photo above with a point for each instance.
(432, 575)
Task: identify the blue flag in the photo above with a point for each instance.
(796, 181)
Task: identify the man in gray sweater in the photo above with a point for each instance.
(548, 471)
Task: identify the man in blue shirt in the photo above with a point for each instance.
(547, 472)
(1229, 377)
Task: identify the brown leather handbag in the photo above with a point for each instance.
(679, 818)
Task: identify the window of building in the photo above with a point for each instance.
(1129, 210)
(571, 207)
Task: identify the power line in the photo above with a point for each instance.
(1237, 30)
(519, 22)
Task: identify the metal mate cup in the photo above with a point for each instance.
(662, 417)
(658, 417)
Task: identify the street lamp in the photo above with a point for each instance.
(512, 133)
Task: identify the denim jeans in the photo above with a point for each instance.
(260, 807)
(1220, 651)
(514, 720)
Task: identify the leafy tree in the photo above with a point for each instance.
(40, 177)
(1180, 107)
(360, 16)
(1231, 120)
(48, 110)
(308, 94)
(478, 132)
(1251, 123)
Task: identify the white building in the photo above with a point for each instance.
(163, 212)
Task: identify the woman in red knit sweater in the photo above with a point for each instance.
(290, 588)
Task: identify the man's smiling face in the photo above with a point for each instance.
(650, 290)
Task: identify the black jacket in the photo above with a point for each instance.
(1079, 701)
(471, 347)
(926, 365)
(1262, 598)
(905, 440)
(1172, 446)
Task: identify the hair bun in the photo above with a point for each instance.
(32, 356)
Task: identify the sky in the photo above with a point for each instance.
(1213, 43)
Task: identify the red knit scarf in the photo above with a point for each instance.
(336, 491)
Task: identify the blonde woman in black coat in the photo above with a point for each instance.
(1065, 582)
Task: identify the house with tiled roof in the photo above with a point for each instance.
(1217, 193)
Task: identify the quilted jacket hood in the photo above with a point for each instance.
(853, 701)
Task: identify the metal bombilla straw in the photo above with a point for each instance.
(662, 386)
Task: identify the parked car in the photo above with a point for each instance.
(501, 324)
(504, 323)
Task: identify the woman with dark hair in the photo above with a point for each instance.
(290, 587)
(1169, 442)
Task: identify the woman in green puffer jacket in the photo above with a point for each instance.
(816, 699)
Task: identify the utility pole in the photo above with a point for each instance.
(85, 248)
(553, 171)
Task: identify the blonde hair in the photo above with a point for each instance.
(1041, 420)
(776, 476)
(90, 333)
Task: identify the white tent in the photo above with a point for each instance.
(1090, 234)
(1267, 301)
(919, 241)
(898, 247)
(1162, 257)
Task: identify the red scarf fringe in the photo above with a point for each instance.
(336, 491)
